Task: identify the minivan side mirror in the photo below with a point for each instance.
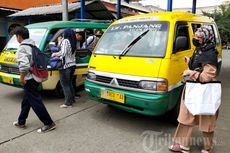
(181, 43)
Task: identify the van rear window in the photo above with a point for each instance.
(147, 39)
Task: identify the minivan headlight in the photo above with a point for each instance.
(91, 76)
(154, 85)
(148, 85)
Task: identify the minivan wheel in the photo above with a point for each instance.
(58, 92)
(174, 113)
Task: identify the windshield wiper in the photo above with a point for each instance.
(127, 49)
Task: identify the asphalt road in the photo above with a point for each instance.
(90, 127)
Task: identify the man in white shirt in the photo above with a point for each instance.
(92, 40)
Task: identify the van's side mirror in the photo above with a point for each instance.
(181, 43)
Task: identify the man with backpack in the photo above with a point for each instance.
(30, 82)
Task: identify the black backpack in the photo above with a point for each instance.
(39, 65)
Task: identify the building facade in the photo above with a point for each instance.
(24, 4)
(8, 7)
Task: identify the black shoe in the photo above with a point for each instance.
(18, 125)
(47, 128)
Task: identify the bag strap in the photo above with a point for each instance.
(27, 45)
(91, 41)
(184, 92)
(63, 61)
(190, 81)
(198, 78)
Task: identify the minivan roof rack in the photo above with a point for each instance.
(93, 20)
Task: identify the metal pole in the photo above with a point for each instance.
(65, 10)
(82, 9)
(6, 29)
(194, 7)
(118, 9)
(169, 8)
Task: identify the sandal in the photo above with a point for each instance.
(179, 148)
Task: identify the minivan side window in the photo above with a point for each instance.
(181, 37)
(195, 26)
(217, 39)
(51, 37)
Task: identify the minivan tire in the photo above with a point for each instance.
(58, 91)
(174, 113)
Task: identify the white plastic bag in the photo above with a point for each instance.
(202, 98)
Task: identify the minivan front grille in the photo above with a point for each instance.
(15, 70)
(103, 79)
(4, 69)
(128, 83)
(7, 69)
(121, 82)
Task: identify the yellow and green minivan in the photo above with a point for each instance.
(44, 33)
(137, 66)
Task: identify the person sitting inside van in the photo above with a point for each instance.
(79, 37)
(92, 40)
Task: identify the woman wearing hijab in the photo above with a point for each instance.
(67, 54)
(202, 67)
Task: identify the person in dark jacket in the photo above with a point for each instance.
(203, 68)
(31, 97)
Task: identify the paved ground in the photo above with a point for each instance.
(90, 127)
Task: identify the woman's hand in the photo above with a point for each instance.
(55, 54)
(186, 59)
(187, 72)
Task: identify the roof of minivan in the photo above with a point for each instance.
(67, 24)
(167, 16)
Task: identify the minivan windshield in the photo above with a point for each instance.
(119, 37)
(35, 34)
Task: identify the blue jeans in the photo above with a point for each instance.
(66, 79)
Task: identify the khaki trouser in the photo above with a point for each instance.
(183, 136)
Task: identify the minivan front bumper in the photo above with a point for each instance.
(10, 79)
(137, 102)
